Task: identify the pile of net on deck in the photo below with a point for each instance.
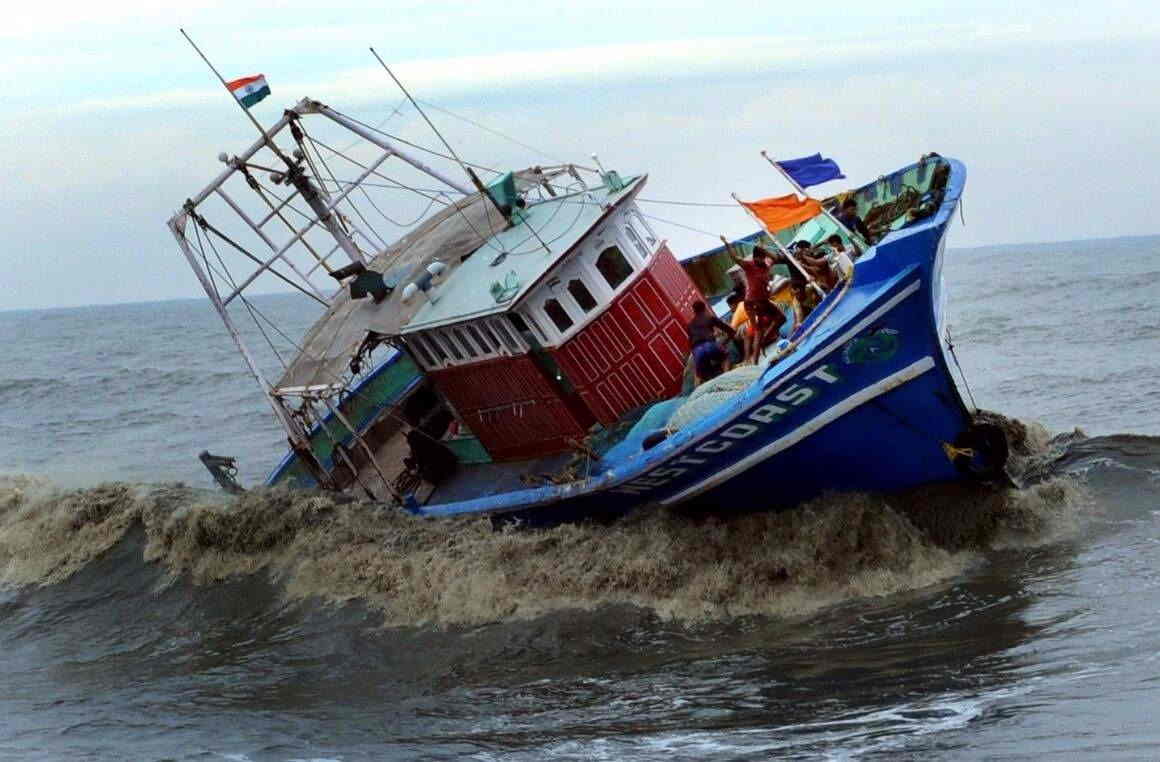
(674, 414)
(713, 394)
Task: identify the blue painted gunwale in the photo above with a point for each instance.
(880, 428)
(288, 460)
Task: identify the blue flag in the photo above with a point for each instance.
(811, 170)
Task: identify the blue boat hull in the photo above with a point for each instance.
(867, 402)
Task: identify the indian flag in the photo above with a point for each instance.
(249, 90)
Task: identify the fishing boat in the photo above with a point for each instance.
(521, 350)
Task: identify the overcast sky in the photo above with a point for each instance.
(111, 121)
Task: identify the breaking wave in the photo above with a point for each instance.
(463, 572)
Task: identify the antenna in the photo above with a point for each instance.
(479, 186)
(245, 110)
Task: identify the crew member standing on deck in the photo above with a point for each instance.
(709, 359)
(764, 319)
(848, 216)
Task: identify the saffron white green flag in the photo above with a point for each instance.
(249, 90)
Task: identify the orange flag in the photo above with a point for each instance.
(783, 211)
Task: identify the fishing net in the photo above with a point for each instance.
(712, 394)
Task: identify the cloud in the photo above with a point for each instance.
(659, 61)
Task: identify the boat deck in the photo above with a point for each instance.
(469, 481)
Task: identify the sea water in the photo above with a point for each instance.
(144, 616)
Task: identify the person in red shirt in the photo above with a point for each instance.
(764, 319)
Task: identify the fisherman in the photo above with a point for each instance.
(764, 319)
(848, 216)
(738, 347)
(841, 258)
(838, 246)
(709, 360)
(738, 279)
(805, 299)
(816, 264)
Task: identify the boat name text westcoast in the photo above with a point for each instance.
(786, 401)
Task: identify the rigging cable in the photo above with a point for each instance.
(321, 160)
(269, 268)
(339, 183)
(685, 203)
(679, 225)
(493, 131)
(955, 357)
(249, 308)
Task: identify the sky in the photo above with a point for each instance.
(111, 120)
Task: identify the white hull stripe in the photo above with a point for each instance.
(789, 440)
(857, 328)
(818, 356)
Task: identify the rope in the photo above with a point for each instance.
(962, 375)
(496, 132)
(276, 211)
(230, 279)
(306, 153)
(684, 203)
(269, 268)
(338, 184)
(957, 452)
(679, 225)
(395, 183)
(416, 146)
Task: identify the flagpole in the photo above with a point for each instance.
(853, 235)
(784, 251)
(245, 110)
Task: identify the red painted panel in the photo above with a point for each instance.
(635, 351)
(510, 406)
(632, 354)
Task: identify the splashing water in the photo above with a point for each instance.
(462, 572)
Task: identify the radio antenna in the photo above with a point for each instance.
(479, 186)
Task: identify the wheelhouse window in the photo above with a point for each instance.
(507, 337)
(449, 344)
(435, 347)
(530, 325)
(613, 267)
(581, 294)
(468, 347)
(636, 219)
(558, 315)
(425, 357)
(637, 243)
(484, 338)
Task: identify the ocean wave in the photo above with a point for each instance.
(418, 572)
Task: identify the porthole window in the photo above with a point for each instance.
(558, 315)
(613, 266)
(581, 294)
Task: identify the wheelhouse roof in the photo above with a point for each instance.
(517, 258)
